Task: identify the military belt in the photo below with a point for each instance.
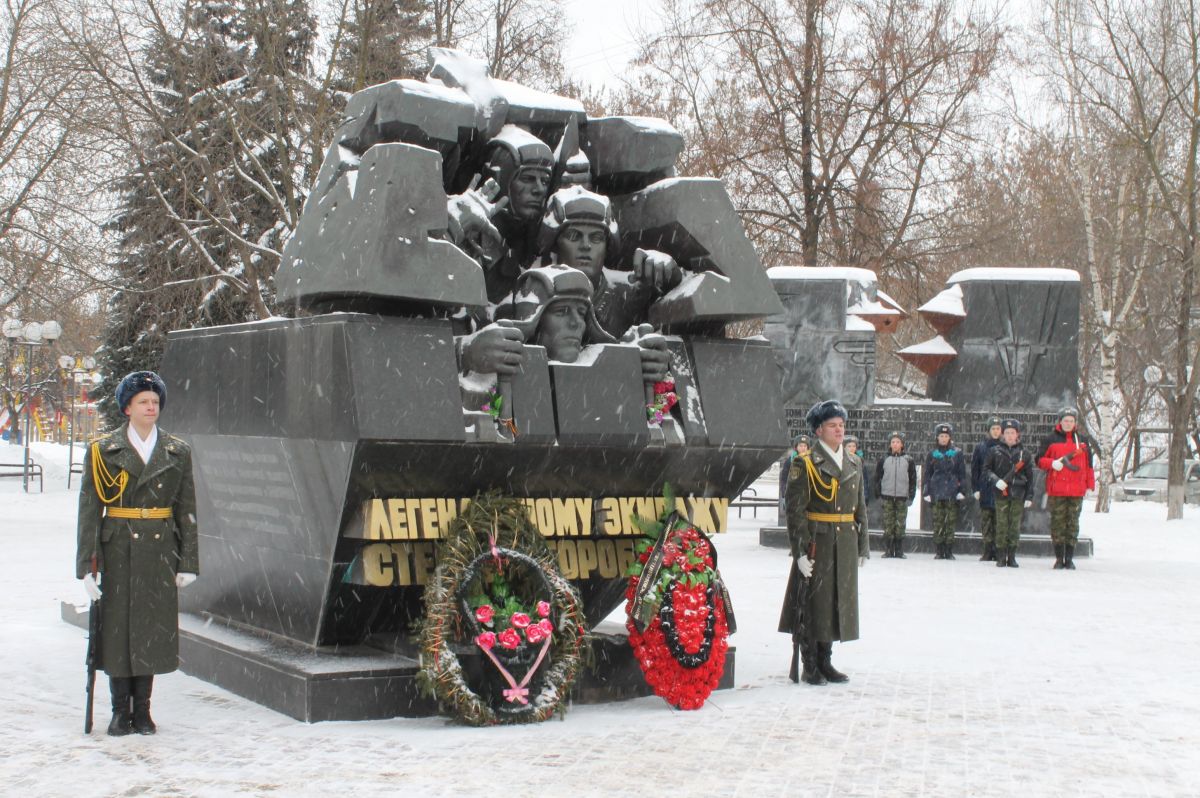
(831, 518)
(138, 512)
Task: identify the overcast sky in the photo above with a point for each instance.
(603, 36)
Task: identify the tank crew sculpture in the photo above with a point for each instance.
(429, 210)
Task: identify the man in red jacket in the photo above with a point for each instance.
(1068, 457)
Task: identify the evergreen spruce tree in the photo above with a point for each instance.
(383, 40)
(225, 152)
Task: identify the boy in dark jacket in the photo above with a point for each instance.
(983, 489)
(851, 444)
(945, 476)
(896, 477)
(1007, 472)
(1067, 457)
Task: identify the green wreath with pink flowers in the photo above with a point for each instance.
(503, 630)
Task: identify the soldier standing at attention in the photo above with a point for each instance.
(945, 476)
(137, 531)
(896, 477)
(1067, 456)
(1008, 471)
(983, 490)
(827, 530)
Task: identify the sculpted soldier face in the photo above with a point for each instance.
(561, 329)
(832, 432)
(527, 193)
(583, 246)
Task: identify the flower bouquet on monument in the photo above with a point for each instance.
(502, 633)
(679, 615)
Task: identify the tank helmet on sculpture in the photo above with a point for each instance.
(577, 206)
(514, 150)
(541, 287)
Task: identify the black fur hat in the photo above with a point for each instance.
(135, 382)
(821, 412)
(946, 428)
(1011, 423)
(995, 421)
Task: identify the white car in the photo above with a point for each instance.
(1148, 482)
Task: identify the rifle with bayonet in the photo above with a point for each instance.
(92, 659)
(800, 615)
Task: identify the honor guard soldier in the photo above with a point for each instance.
(827, 530)
(137, 546)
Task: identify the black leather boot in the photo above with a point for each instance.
(900, 549)
(812, 673)
(989, 553)
(949, 552)
(1069, 559)
(937, 555)
(142, 723)
(1001, 558)
(1059, 553)
(826, 666)
(1012, 557)
(122, 720)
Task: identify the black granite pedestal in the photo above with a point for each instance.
(367, 682)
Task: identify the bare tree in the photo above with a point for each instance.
(1136, 66)
(835, 123)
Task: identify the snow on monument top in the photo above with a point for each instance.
(1007, 274)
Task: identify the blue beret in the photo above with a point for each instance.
(135, 382)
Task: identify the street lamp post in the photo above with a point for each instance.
(79, 366)
(30, 335)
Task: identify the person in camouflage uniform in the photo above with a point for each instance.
(827, 531)
(944, 478)
(896, 481)
(1067, 456)
(1007, 471)
(983, 489)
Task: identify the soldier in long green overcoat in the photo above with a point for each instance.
(137, 532)
(827, 529)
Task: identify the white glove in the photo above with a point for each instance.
(1057, 465)
(89, 584)
(1001, 485)
(1028, 504)
(862, 561)
(976, 495)
(959, 497)
(184, 579)
(928, 499)
(805, 566)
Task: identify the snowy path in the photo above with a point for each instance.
(969, 680)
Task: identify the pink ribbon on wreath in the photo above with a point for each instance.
(517, 692)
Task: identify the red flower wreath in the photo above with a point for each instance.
(685, 625)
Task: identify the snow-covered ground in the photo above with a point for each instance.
(969, 680)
